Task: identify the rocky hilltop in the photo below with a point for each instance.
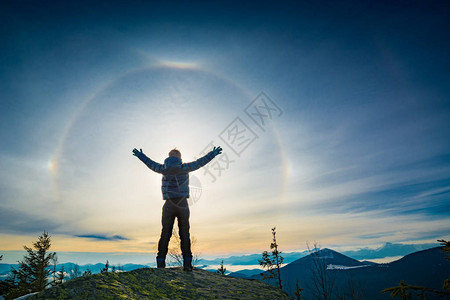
(169, 283)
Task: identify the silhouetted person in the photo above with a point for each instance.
(175, 190)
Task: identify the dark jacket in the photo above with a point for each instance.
(175, 181)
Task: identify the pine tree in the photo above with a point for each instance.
(87, 273)
(221, 270)
(272, 261)
(31, 275)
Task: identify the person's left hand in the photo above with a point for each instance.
(136, 152)
(217, 150)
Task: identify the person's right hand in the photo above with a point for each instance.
(136, 152)
(217, 150)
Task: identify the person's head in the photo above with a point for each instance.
(175, 152)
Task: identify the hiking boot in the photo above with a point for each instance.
(160, 262)
(187, 264)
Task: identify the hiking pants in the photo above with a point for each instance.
(175, 208)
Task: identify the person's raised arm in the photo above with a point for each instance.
(152, 165)
(195, 165)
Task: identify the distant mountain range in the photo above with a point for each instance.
(424, 268)
(245, 273)
(70, 267)
(250, 259)
(387, 250)
(6, 268)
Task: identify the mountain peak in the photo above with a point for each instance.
(169, 283)
(331, 257)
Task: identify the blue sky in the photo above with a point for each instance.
(357, 155)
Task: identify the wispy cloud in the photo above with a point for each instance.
(376, 235)
(103, 237)
(13, 221)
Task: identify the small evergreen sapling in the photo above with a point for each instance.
(106, 268)
(221, 270)
(272, 261)
(298, 291)
(60, 276)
